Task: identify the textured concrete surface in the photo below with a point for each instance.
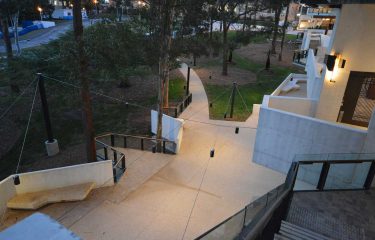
(174, 196)
(344, 215)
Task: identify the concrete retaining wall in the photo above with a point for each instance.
(7, 191)
(281, 135)
(296, 105)
(99, 172)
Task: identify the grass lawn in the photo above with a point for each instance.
(251, 93)
(176, 89)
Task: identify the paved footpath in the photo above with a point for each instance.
(175, 196)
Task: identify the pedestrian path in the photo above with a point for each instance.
(175, 196)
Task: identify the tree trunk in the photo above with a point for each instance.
(276, 28)
(284, 31)
(16, 36)
(166, 23)
(6, 37)
(211, 27)
(244, 18)
(230, 55)
(87, 119)
(225, 48)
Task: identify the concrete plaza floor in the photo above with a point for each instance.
(174, 196)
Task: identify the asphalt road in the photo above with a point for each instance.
(45, 36)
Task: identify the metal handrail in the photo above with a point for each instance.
(181, 106)
(256, 226)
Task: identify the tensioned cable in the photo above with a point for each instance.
(243, 101)
(144, 107)
(226, 111)
(96, 93)
(16, 100)
(199, 189)
(27, 128)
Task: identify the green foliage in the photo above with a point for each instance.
(176, 89)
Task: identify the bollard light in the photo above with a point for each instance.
(212, 153)
(16, 180)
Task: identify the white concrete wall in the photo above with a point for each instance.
(369, 146)
(314, 80)
(282, 135)
(296, 105)
(100, 173)
(354, 41)
(172, 129)
(7, 191)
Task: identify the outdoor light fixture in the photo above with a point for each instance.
(342, 63)
(16, 180)
(237, 130)
(212, 153)
(330, 62)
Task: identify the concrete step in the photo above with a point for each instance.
(301, 233)
(280, 237)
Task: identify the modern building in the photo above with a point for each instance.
(330, 109)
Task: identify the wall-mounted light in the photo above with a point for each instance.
(330, 62)
(342, 63)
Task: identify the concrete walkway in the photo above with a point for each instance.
(174, 196)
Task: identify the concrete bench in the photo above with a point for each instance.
(291, 85)
(35, 200)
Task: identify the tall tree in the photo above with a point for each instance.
(166, 11)
(277, 6)
(284, 30)
(8, 44)
(87, 119)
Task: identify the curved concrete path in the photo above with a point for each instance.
(175, 196)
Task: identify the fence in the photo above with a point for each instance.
(176, 111)
(143, 143)
(299, 56)
(310, 172)
(106, 152)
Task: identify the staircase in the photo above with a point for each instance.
(290, 231)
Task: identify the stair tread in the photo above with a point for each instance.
(291, 235)
(306, 232)
(294, 235)
(280, 237)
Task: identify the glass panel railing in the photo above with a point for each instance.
(308, 176)
(247, 217)
(227, 230)
(347, 175)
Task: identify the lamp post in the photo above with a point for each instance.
(96, 6)
(40, 10)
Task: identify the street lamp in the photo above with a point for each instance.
(40, 10)
(96, 5)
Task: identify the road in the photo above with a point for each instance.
(45, 36)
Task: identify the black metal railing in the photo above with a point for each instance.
(107, 152)
(253, 219)
(300, 56)
(326, 172)
(144, 143)
(179, 108)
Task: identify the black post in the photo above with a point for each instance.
(47, 120)
(323, 176)
(232, 99)
(370, 176)
(188, 82)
